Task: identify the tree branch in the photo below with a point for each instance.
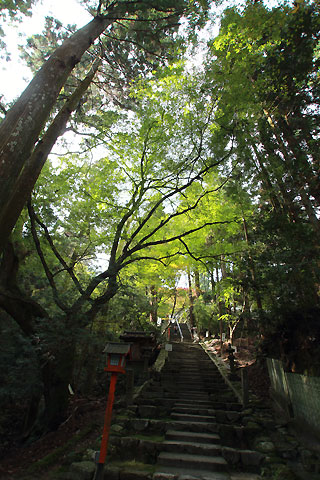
(64, 264)
(48, 272)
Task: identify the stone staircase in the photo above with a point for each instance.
(193, 447)
(186, 424)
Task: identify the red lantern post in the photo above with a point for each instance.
(116, 358)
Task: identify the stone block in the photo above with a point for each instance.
(89, 455)
(231, 455)
(265, 446)
(116, 428)
(164, 476)
(220, 416)
(251, 458)
(244, 476)
(129, 445)
(83, 470)
(157, 426)
(233, 416)
(187, 477)
(231, 436)
(147, 411)
(111, 473)
(135, 475)
(140, 424)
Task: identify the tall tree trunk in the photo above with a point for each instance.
(57, 373)
(33, 166)
(21, 308)
(213, 284)
(288, 204)
(197, 282)
(223, 266)
(191, 302)
(275, 202)
(174, 301)
(221, 308)
(253, 272)
(298, 182)
(153, 305)
(302, 165)
(21, 128)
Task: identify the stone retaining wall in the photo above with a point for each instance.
(298, 394)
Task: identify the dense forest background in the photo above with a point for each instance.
(184, 182)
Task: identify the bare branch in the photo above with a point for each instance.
(133, 43)
(197, 259)
(64, 264)
(48, 272)
(156, 259)
(176, 214)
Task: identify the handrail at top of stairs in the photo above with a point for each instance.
(241, 393)
(179, 328)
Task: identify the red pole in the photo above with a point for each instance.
(107, 418)
(106, 427)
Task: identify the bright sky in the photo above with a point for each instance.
(14, 75)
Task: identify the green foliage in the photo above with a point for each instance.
(12, 10)
(206, 314)
(129, 309)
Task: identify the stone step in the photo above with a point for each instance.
(225, 397)
(168, 473)
(190, 397)
(197, 377)
(199, 427)
(185, 417)
(229, 406)
(200, 462)
(185, 436)
(211, 405)
(201, 404)
(191, 363)
(190, 393)
(192, 410)
(199, 386)
(196, 448)
(186, 391)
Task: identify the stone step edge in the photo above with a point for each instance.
(192, 460)
(209, 436)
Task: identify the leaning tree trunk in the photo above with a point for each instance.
(33, 165)
(56, 375)
(20, 129)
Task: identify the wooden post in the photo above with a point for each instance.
(245, 386)
(129, 386)
(106, 428)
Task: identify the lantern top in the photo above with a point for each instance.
(117, 348)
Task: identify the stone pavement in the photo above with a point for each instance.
(204, 439)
